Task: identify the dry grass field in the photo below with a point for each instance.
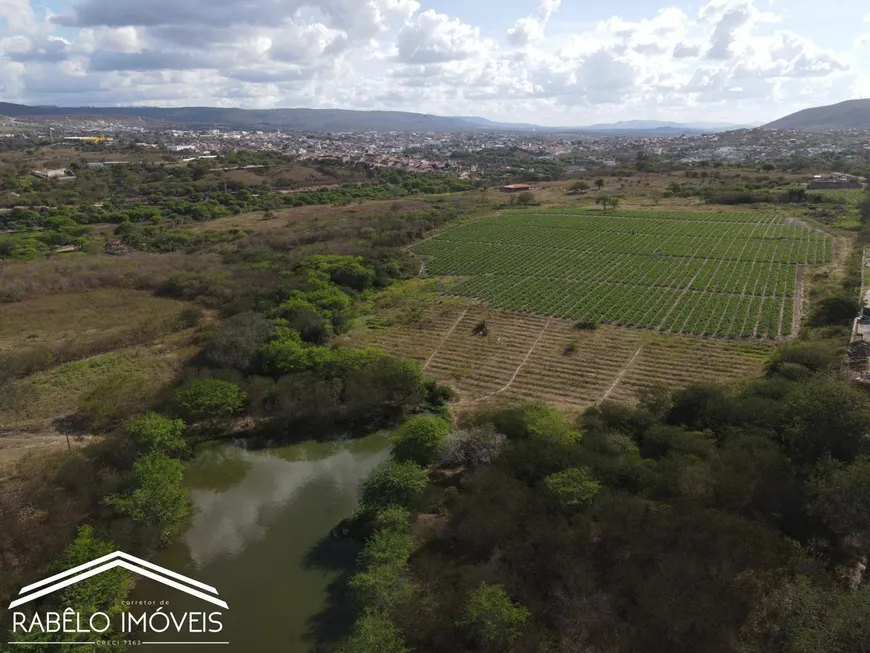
(99, 353)
(50, 321)
(532, 357)
(295, 218)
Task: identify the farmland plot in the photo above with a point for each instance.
(716, 274)
(532, 357)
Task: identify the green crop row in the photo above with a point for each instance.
(734, 279)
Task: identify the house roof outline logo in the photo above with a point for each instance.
(111, 561)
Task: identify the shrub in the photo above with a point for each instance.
(491, 618)
(158, 498)
(394, 483)
(236, 340)
(573, 487)
(375, 633)
(586, 325)
(209, 399)
(155, 432)
(472, 448)
(419, 438)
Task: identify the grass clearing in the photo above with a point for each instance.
(118, 382)
(730, 275)
(51, 320)
(296, 217)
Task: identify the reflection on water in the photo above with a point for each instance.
(259, 534)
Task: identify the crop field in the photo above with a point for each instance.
(532, 357)
(732, 275)
(848, 195)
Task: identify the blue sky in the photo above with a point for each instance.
(556, 62)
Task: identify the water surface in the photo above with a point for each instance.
(260, 536)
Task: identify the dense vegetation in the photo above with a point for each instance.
(711, 519)
(149, 203)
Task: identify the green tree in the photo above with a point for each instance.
(814, 618)
(394, 482)
(842, 499)
(158, 499)
(491, 618)
(419, 439)
(828, 418)
(386, 546)
(209, 399)
(525, 198)
(375, 633)
(380, 587)
(864, 207)
(98, 593)
(605, 201)
(573, 487)
(580, 185)
(155, 432)
(101, 593)
(599, 183)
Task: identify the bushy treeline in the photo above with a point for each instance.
(709, 519)
(281, 356)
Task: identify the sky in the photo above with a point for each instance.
(548, 62)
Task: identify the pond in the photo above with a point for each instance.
(260, 534)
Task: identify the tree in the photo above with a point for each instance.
(158, 498)
(580, 185)
(573, 487)
(394, 483)
(155, 432)
(599, 183)
(816, 618)
(525, 198)
(236, 340)
(864, 206)
(606, 200)
(842, 499)
(375, 633)
(98, 593)
(419, 439)
(828, 418)
(208, 399)
(491, 618)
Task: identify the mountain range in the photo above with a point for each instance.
(852, 114)
(337, 120)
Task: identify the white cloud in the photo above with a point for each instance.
(436, 38)
(401, 54)
(531, 28)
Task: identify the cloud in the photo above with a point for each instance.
(147, 60)
(18, 15)
(49, 49)
(402, 54)
(531, 28)
(684, 51)
(436, 38)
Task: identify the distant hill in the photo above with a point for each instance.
(268, 119)
(625, 127)
(645, 125)
(337, 120)
(852, 114)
